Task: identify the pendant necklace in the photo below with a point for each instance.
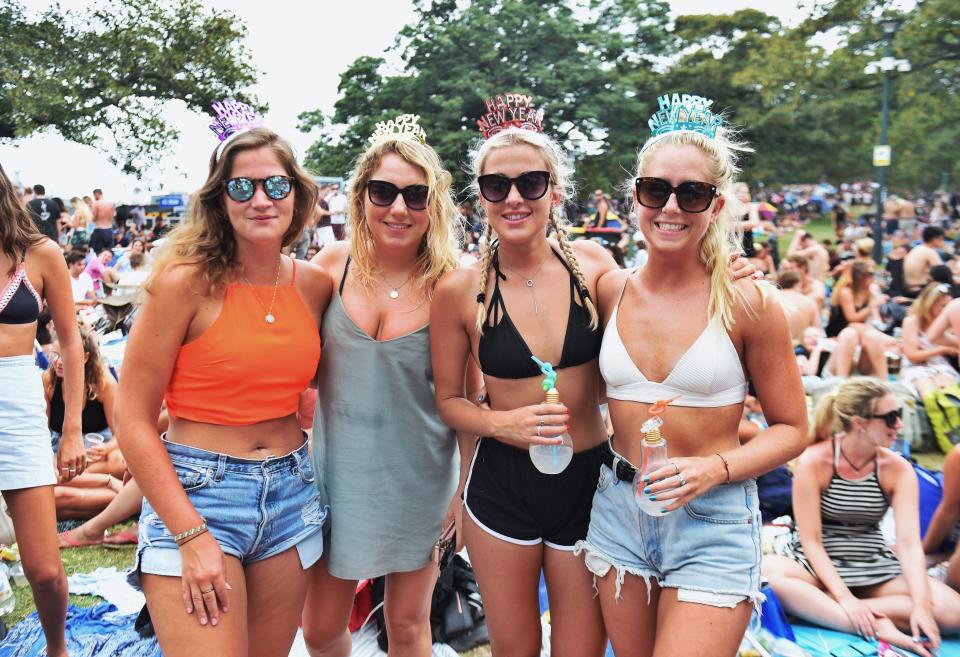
(529, 282)
(269, 317)
(395, 289)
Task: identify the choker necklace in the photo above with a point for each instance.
(268, 318)
(529, 281)
(395, 289)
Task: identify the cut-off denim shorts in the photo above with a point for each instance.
(709, 549)
(256, 509)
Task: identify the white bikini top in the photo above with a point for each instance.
(709, 374)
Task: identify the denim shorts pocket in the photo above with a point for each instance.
(723, 505)
(306, 471)
(606, 476)
(192, 476)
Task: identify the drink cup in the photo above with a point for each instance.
(92, 440)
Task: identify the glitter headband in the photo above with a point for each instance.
(510, 111)
(404, 124)
(233, 118)
(683, 113)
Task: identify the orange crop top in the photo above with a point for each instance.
(242, 370)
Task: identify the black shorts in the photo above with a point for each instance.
(512, 500)
(101, 238)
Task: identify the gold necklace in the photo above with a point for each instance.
(395, 289)
(529, 281)
(268, 318)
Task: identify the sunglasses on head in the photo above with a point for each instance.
(890, 418)
(383, 194)
(242, 189)
(531, 185)
(692, 196)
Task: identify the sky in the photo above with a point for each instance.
(300, 59)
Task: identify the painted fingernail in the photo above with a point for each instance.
(653, 498)
(646, 491)
(663, 511)
(214, 621)
(646, 479)
(203, 621)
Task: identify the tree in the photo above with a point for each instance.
(583, 62)
(114, 68)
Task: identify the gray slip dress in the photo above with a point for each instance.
(386, 463)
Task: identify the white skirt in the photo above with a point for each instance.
(26, 459)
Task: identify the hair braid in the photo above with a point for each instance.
(561, 234)
(486, 254)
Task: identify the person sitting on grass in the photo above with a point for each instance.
(840, 572)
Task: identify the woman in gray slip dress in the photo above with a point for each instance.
(388, 461)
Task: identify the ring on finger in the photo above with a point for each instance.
(538, 431)
(541, 422)
(206, 592)
(676, 466)
(683, 482)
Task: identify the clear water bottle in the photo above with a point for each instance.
(653, 457)
(7, 601)
(17, 576)
(552, 459)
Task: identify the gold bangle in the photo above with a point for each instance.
(202, 527)
(726, 466)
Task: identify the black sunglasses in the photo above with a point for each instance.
(890, 418)
(692, 196)
(383, 194)
(531, 185)
(242, 189)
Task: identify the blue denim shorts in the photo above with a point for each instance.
(255, 509)
(709, 549)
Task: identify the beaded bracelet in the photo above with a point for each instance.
(202, 527)
(726, 466)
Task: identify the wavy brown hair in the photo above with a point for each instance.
(206, 239)
(17, 230)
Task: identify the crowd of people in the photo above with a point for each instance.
(324, 385)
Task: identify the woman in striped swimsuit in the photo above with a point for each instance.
(840, 572)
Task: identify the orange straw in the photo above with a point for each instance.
(660, 406)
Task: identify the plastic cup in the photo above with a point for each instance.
(92, 440)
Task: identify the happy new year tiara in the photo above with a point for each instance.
(510, 111)
(404, 124)
(683, 113)
(233, 118)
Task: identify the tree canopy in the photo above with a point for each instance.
(801, 100)
(114, 68)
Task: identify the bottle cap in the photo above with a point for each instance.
(651, 430)
(553, 396)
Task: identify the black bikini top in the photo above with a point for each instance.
(19, 302)
(504, 353)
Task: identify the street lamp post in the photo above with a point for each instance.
(886, 65)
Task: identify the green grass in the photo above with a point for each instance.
(75, 560)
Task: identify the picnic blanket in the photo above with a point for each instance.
(820, 642)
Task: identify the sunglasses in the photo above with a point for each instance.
(242, 189)
(691, 196)
(531, 185)
(383, 194)
(890, 418)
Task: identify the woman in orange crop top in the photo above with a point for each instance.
(229, 336)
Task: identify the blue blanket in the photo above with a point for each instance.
(92, 632)
(828, 643)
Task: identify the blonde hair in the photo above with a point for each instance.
(721, 240)
(439, 251)
(923, 305)
(206, 239)
(853, 277)
(864, 247)
(855, 397)
(561, 177)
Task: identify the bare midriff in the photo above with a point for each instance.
(270, 438)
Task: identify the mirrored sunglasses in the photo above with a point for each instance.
(531, 185)
(242, 189)
(692, 196)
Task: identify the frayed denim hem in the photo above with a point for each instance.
(600, 564)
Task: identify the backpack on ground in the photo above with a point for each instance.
(943, 409)
(917, 431)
